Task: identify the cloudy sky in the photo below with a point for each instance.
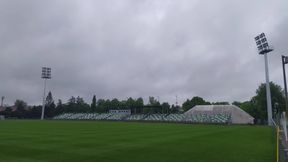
(139, 48)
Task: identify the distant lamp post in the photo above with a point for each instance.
(2, 99)
(264, 49)
(176, 101)
(285, 61)
(46, 74)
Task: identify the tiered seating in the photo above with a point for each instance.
(222, 118)
(63, 116)
(88, 116)
(77, 116)
(103, 116)
(175, 117)
(136, 117)
(155, 117)
(116, 117)
(191, 118)
(205, 118)
(80, 116)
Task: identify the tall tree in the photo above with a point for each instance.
(114, 104)
(35, 112)
(72, 100)
(174, 109)
(79, 100)
(49, 99)
(221, 103)
(93, 104)
(81, 105)
(165, 107)
(139, 103)
(188, 104)
(77, 105)
(259, 101)
(154, 105)
(130, 103)
(153, 101)
(50, 107)
(250, 108)
(257, 106)
(21, 106)
(100, 106)
(236, 103)
(59, 107)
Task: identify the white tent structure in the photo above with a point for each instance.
(238, 116)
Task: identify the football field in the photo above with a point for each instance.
(33, 141)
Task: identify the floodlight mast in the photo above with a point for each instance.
(46, 74)
(264, 49)
(285, 61)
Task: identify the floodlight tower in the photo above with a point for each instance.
(264, 49)
(46, 74)
(285, 61)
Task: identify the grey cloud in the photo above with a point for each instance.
(138, 48)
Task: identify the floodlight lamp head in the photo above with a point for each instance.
(262, 44)
(46, 73)
(285, 59)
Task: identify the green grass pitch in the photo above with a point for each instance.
(85, 141)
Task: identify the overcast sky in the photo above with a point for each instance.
(139, 48)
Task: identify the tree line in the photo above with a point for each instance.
(256, 106)
(21, 110)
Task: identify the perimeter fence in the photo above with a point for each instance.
(280, 125)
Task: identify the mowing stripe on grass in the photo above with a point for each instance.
(22, 140)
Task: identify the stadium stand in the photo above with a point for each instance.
(175, 117)
(221, 114)
(136, 117)
(63, 116)
(103, 116)
(155, 117)
(117, 116)
(194, 118)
